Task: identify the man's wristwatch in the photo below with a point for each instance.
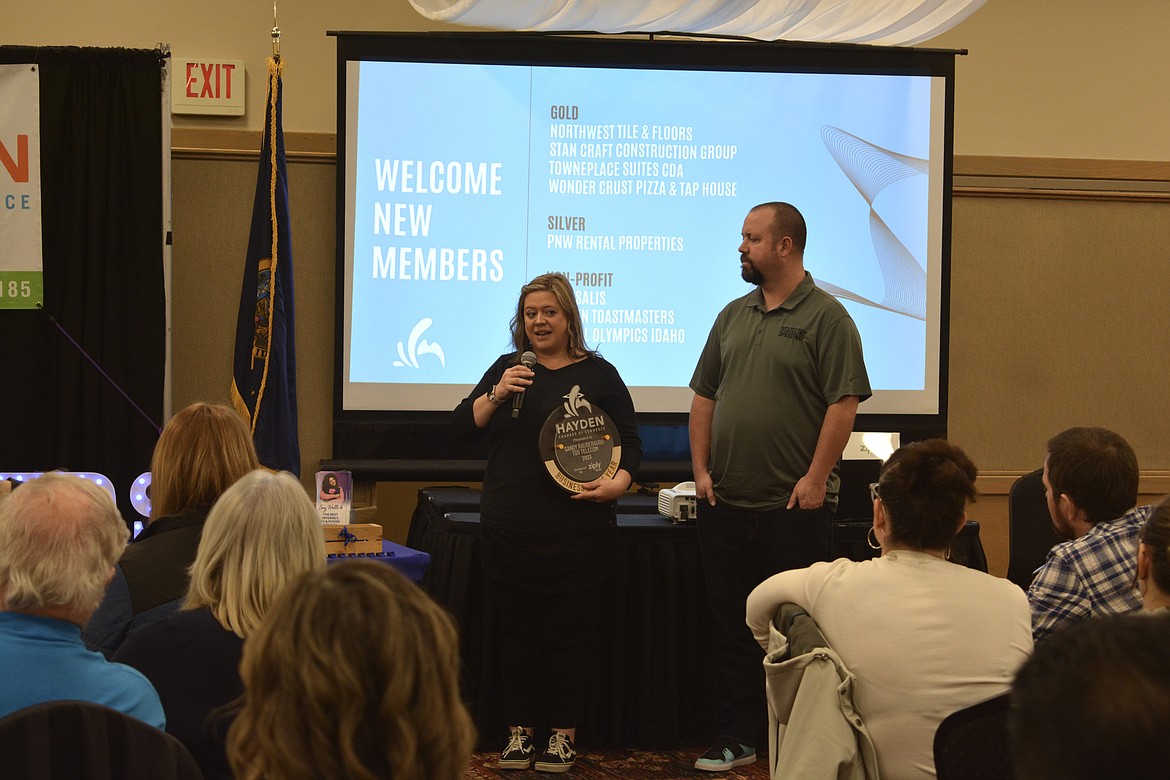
(494, 398)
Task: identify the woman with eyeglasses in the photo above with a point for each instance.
(923, 636)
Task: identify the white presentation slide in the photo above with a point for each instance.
(463, 182)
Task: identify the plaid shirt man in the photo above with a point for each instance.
(1091, 575)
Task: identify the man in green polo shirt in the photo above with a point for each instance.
(776, 392)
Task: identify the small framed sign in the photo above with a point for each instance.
(334, 497)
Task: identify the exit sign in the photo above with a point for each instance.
(202, 86)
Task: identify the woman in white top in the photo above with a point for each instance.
(923, 636)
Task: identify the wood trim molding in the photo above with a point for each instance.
(1026, 191)
(1062, 168)
(1060, 178)
(999, 483)
(194, 143)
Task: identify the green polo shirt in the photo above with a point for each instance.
(773, 374)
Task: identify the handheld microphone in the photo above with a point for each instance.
(528, 360)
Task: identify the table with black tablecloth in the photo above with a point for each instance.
(654, 684)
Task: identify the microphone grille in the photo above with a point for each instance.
(528, 359)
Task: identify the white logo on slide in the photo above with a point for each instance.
(419, 346)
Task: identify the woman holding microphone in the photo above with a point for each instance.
(548, 539)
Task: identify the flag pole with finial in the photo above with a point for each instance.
(264, 363)
(275, 35)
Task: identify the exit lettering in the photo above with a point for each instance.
(207, 86)
(216, 78)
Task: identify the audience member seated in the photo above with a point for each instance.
(262, 532)
(59, 538)
(353, 674)
(201, 452)
(923, 636)
(1094, 701)
(1153, 562)
(1091, 483)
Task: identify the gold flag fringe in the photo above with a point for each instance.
(275, 71)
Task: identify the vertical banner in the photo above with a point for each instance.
(21, 281)
(264, 369)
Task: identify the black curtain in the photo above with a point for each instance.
(102, 228)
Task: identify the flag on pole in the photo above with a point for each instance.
(264, 387)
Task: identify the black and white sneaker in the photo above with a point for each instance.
(559, 756)
(726, 754)
(519, 753)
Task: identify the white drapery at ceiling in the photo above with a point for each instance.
(885, 22)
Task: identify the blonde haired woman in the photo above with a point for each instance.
(202, 450)
(545, 551)
(355, 674)
(261, 533)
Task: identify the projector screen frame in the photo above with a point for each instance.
(420, 436)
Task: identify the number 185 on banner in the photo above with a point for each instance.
(20, 289)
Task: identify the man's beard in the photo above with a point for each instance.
(1062, 527)
(750, 274)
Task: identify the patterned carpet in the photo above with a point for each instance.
(621, 765)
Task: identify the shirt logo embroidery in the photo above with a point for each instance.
(796, 334)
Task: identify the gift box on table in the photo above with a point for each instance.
(352, 538)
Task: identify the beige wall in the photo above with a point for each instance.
(1059, 282)
(1063, 78)
(1058, 318)
(212, 213)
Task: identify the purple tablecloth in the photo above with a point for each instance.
(412, 563)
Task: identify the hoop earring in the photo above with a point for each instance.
(871, 539)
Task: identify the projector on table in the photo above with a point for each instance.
(678, 503)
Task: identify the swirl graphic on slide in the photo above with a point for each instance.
(419, 346)
(871, 169)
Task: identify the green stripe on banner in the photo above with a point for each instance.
(21, 289)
